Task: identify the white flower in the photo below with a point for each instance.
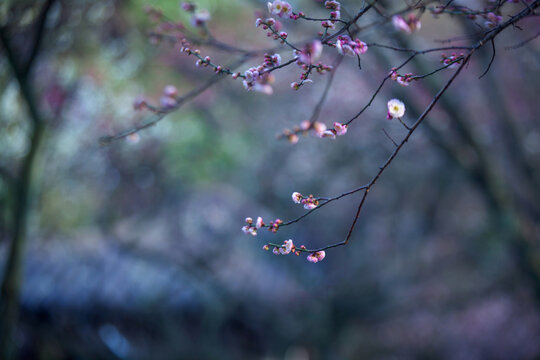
(280, 8)
(310, 206)
(328, 133)
(200, 18)
(260, 223)
(287, 247)
(296, 197)
(396, 108)
(276, 59)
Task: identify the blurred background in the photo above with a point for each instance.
(133, 250)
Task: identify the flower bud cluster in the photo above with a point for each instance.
(288, 247)
(319, 128)
(274, 225)
(251, 228)
(305, 59)
(316, 256)
(206, 61)
(454, 60)
(335, 14)
(168, 97)
(346, 46)
(408, 25)
(292, 136)
(198, 18)
(309, 202)
(188, 6)
(492, 20)
(274, 26)
(338, 130)
(490, 14)
(403, 80)
(259, 78)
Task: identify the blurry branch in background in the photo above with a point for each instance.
(6, 176)
(21, 67)
(161, 113)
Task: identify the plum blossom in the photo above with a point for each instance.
(338, 130)
(170, 91)
(274, 225)
(332, 5)
(168, 98)
(311, 52)
(287, 247)
(453, 60)
(258, 80)
(335, 14)
(271, 61)
(403, 80)
(293, 138)
(396, 109)
(296, 197)
(316, 256)
(341, 129)
(346, 46)
(200, 18)
(408, 26)
(260, 223)
(249, 228)
(493, 20)
(310, 202)
(328, 133)
(319, 128)
(329, 24)
(133, 138)
(280, 8)
(140, 103)
(189, 7)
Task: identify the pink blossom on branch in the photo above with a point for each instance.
(200, 18)
(346, 46)
(311, 52)
(316, 256)
(297, 197)
(409, 25)
(280, 8)
(340, 129)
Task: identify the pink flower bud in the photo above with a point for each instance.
(170, 91)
